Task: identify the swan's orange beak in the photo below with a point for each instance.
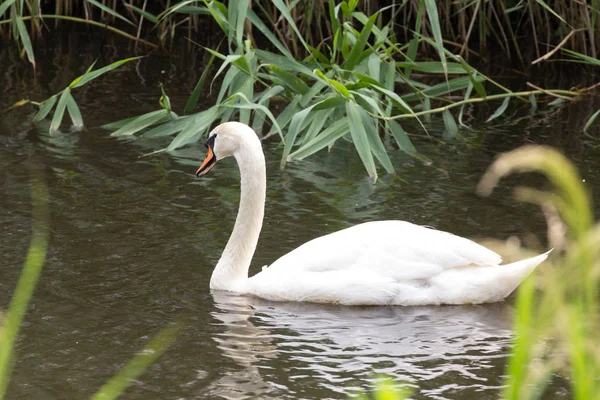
(208, 162)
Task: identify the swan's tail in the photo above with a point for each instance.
(511, 275)
(485, 284)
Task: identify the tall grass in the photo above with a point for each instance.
(467, 26)
(556, 326)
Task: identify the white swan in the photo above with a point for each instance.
(374, 263)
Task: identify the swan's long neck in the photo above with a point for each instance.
(231, 272)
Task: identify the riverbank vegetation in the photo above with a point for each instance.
(337, 70)
(471, 27)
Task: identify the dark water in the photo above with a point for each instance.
(134, 241)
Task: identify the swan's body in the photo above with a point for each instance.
(375, 263)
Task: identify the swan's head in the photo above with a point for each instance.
(224, 141)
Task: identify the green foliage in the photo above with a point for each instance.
(349, 85)
(556, 328)
(355, 85)
(66, 102)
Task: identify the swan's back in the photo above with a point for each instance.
(388, 262)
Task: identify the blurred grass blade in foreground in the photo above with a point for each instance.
(556, 327)
(138, 364)
(27, 281)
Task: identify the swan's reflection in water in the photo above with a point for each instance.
(325, 351)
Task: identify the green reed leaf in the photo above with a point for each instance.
(193, 100)
(142, 122)
(472, 73)
(333, 132)
(218, 14)
(293, 131)
(175, 9)
(242, 10)
(286, 115)
(533, 102)
(168, 128)
(361, 41)
(335, 85)
(238, 60)
(150, 17)
(110, 11)
(5, 5)
(25, 39)
(550, 10)
(453, 85)
(113, 126)
(287, 63)
(591, 120)
(195, 128)
(247, 104)
(74, 112)
(45, 109)
(368, 79)
(434, 21)
(582, 57)
(60, 110)
(462, 108)
(297, 123)
(375, 143)
(359, 137)
(316, 126)
(90, 75)
(500, 110)
(257, 22)
(374, 67)
(247, 90)
(433, 67)
(450, 123)
(411, 53)
(402, 139)
(285, 11)
(291, 81)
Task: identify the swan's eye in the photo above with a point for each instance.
(210, 142)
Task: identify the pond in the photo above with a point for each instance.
(134, 240)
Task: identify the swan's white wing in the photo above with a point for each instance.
(397, 249)
(370, 263)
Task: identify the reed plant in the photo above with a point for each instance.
(359, 83)
(473, 26)
(359, 86)
(557, 320)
